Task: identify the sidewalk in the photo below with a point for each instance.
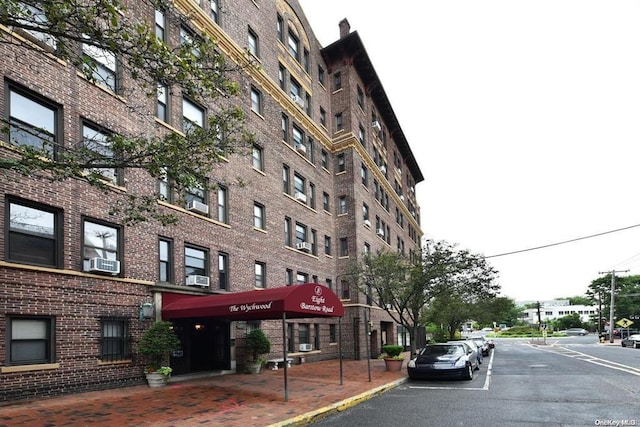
(245, 400)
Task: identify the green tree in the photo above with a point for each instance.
(84, 33)
(498, 310)
(404, 286)
(626, 300)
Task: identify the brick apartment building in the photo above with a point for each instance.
(330, 175)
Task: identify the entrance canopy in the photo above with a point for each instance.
(292, 302)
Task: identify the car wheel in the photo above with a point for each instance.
(636, 344)
(623, 344)
(469, 374)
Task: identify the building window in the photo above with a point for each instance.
(360, 97)
(327, 245)
(192, 116)
(290, 340)
(298, 140)
(101, 240)
(196, 261)
(329, 284)
(286, 180)
(258, 216)
(312, 195)
(96, 141)
(256, 101)
(321, 75)
(339, 124)
(344, 246)
(34, 234)
(316, 336)
(253, 43)
(341, 163)
(332, 333)
(364, 173)
(303, 333)
(36, 19)
(32, 123)
(293, 45)
(337, 81)
(361, 135)
(257, 160)
(325, 202)
(287, 231)
(30, 340)
(165, 267)
(299, 187)
(280, 28)
(223, 271)
(306, 62)
(260, 275)
(285, 128)
(215, 14)
(342, 205)
(324, 159)
(161, 32)
(365, 212)
(114, 339)
(288, 277)
(223, 197)
(301, 233)
(344, 289)
(302, 278)
(99, 66)
(282, 76)
(163, 103)
(323, 117)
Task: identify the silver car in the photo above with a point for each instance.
(632, 341)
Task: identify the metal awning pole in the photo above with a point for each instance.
(284, 351)
(340, 346)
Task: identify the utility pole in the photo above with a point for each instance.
(611, 306)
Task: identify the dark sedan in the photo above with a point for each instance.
(482, 344)
(457, 359)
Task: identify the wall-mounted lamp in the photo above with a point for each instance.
(146, 311)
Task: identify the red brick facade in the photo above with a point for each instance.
(78, 302)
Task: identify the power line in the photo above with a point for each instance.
(563, 242)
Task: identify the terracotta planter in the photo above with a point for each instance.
(155, 379)
(393, 364)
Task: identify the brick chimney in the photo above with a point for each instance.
(345, 28)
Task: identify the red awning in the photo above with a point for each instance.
(295, 301)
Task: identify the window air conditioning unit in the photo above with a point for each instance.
(402, 198)
(104, 265)
(303, 246)
(383, 168)
(195, 280)
(298, 100)
(301, 197)
(301, 148)
(380, 232)
(306, 347)
(367, 223)
(376, 125)
(199, 207)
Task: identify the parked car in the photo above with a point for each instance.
(491, 343)
(452, 359)
(482, 343)
(575, 331)
(631, 341)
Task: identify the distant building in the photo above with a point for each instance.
(552, 310)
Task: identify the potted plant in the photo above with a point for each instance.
(156, 345)
(257, 344)
(393, 357)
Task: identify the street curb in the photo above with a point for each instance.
(305, 419)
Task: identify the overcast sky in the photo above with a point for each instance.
(524, 117)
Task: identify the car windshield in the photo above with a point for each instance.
(442, 349)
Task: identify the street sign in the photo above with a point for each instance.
(543, 326)
(624, 323)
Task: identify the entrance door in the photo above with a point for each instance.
(205, 346)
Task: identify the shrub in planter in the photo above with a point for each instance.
(156, 345)
(393, 351)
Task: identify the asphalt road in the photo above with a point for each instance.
(571, 381)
